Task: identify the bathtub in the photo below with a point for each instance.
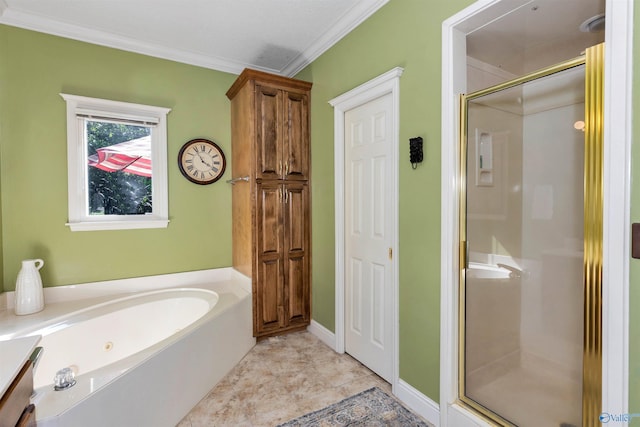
(141, 359)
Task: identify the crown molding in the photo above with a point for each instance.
(347, 23)
(16, 18)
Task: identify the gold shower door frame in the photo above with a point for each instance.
(593, 60)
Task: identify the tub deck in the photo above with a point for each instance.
(62, 300)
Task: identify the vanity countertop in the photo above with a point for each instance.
(13, 354)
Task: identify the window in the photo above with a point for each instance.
(117, 160)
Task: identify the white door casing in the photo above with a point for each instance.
(387, 83)
(617, 149)
(368, 250)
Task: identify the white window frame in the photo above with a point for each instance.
(77, 155)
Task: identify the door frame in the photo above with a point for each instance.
(617, 181)
(387, 83)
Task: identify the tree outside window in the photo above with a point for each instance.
(116, 192)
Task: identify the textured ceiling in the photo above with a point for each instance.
(278, 36)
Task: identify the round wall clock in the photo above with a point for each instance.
(201, 161)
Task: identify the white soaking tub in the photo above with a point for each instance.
(142, 359)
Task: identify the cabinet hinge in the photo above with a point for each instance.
(390, 253)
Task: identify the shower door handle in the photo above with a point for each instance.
(464, 254)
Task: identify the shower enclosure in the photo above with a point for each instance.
(531, 248)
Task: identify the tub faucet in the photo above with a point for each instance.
(64, 379)
(514, 273)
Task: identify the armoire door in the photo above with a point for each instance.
(268, 298)
(296, 238)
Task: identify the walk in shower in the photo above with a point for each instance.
(531, 236)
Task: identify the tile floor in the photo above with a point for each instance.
(282, 378)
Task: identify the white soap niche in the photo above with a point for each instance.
(484, 159)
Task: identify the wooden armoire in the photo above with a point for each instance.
(271, 199)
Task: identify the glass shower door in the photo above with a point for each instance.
(522, 285)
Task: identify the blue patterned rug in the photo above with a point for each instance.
(371, 408)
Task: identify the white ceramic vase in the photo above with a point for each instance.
(29, 296)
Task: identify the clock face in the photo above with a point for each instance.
(201, 161)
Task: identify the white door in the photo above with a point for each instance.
(368, 235)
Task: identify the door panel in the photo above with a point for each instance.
(379, 281)
(354, 301)
(296, 136)
(270, 218)
(269, 309)
(269, 129)
(297, 216)
(296, 289)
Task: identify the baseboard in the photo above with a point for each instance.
(323, 334)
(418, 402)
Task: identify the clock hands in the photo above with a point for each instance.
(203, 161)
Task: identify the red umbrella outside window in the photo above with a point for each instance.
(133, 156)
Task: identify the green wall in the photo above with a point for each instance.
(403, 33)
(35, 68)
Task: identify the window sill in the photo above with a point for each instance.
(117, 225)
